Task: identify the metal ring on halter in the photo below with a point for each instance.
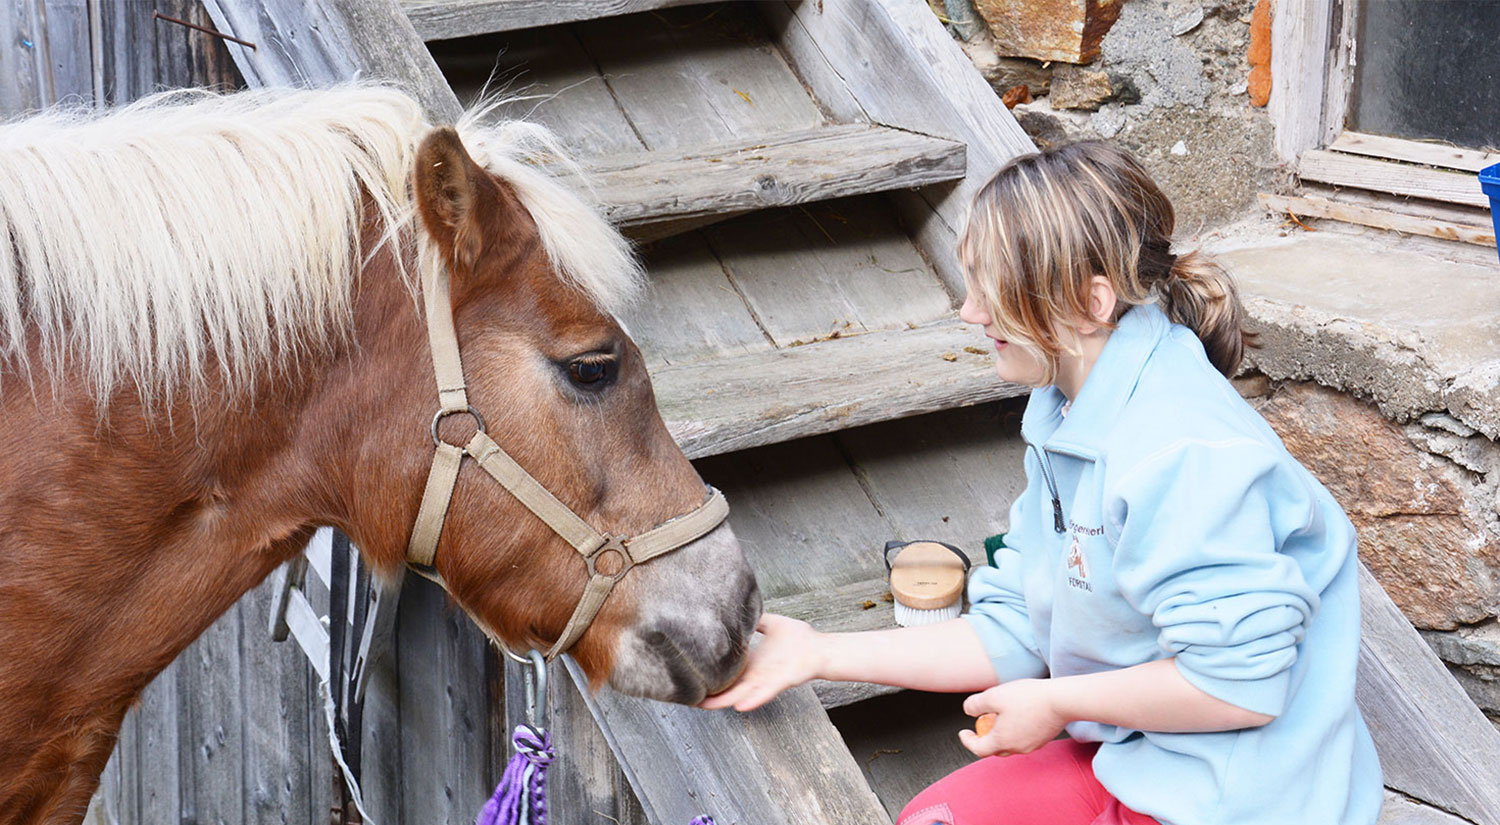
(441, 414)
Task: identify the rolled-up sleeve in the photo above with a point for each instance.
(997, 610)
(1200, 551)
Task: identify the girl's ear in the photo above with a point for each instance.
(1102, 303)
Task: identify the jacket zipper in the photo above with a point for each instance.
(1059, 525)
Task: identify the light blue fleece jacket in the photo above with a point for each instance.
(1162, 517)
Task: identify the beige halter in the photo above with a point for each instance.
(608, 558)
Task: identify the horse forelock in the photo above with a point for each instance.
(194, 235)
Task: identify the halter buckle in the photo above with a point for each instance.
(437, 441)
(602, 562)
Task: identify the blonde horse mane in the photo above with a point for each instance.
(193, 228)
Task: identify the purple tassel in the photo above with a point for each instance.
(703, 820)
(521, 796)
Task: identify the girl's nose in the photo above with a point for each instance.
(972, 312)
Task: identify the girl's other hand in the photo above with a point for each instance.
(1025, 718)
(788, 654)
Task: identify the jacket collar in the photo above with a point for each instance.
(1108, 386)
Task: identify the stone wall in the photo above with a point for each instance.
(1167, 79)
(1423, 497)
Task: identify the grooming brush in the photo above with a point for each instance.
(927, 581)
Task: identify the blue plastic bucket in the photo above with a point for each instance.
(1489, 180)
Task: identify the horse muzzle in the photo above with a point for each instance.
(695, 617)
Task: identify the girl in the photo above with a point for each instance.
(1178, 594)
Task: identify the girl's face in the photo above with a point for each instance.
(1016, 363)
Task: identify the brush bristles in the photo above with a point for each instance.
(913, 617)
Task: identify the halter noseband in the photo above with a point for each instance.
(608, 557)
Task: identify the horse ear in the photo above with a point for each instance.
(446, 183)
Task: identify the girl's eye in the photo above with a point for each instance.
(588, 371)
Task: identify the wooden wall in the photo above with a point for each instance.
(81, 50)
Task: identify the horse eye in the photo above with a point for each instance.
(588, 371)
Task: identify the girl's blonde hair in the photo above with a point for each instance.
(1048, 222)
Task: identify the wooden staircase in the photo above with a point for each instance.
(795, 173)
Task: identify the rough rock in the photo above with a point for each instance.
(1074, 87)
(1004, 73)
(1421, 518)
(1065, 30)
(1049, 127)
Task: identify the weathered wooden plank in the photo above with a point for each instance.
(1434, 743)
(1386, 176)
(948, 477)
(784, 763)
(277, 736)
(688, 78)
(439, 19)
(802, 519)
(898, 62)
(444, 709)
(692, 312)
(550, 80)
(1414, 151)
(745, 401)
(1400, 810)
(211, 720)
(844, 266)
(68, 50)
(20, 88)
(585, 785)
(1474, 233)
(820, 164)
(1299, 72)
(382, 751)
(319, 42)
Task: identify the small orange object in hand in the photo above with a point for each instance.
(984, 724)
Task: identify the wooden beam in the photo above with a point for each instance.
(322, 42)
(1414, 151)
(1434, 742)
(783, 764)
(1385, 176)
(443, 19)
(813, 165)
(759, 398)
(892, 62)
(1302, 207)
(1299, 52)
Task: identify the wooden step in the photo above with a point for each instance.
(1339, 169)
(801, 167)
(444, 19)
(783, 764)
(744, 401)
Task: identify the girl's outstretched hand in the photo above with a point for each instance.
(787, 655)
(1025, 718)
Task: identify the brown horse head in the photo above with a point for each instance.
(565, 391)
(195, 377)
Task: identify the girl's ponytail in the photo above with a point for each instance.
(1200, 295)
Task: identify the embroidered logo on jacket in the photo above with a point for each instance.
(1077, 563)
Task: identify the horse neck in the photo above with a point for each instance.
(123, 537)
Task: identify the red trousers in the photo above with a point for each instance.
(1053, 785)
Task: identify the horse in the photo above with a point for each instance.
(213, 342)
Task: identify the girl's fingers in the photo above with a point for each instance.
(975, 705)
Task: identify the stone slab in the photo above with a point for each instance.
(1415, 327)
